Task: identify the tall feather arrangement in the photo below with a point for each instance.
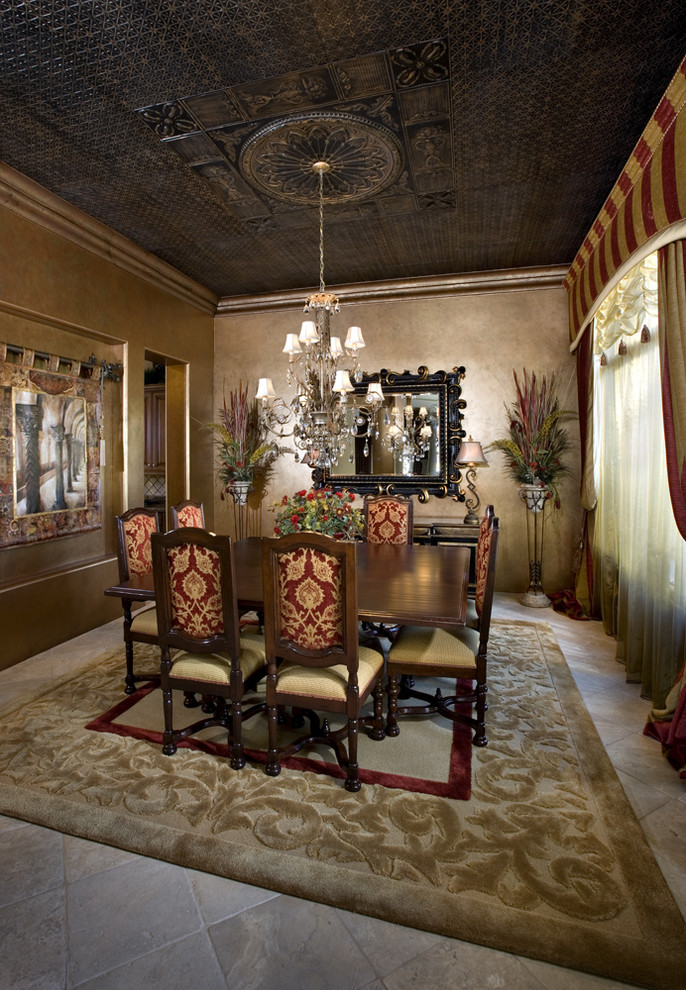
(243, 451)
(536, 439)
(239, 438)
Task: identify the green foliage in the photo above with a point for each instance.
(240, 439)
(536, 439)
(319, 511)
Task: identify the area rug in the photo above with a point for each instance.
(435, 758)
(545, 860)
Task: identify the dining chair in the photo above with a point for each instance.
(134, 557)
(314, 661)
(187, 513)
(388, 519)
(482, 548)
(460, 653)
(197, 616)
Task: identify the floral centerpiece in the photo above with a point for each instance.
(319, 510)
(536, 439)
(241, 443)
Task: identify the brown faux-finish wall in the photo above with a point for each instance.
(492, 324)
(72, 287)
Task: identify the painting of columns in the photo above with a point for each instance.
(51, 449)
(49, 454)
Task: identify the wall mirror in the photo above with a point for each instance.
(408, 443)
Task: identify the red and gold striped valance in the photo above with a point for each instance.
(648, 198)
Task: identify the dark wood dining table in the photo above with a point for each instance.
(409, 584)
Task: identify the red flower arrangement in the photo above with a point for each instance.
(320, 510)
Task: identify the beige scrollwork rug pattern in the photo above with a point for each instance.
(547, 858)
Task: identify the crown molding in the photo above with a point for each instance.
(31, 201)
(432, 286)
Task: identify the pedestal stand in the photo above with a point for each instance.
(239, 491)
(535, 499)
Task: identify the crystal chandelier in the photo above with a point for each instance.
(320, 368)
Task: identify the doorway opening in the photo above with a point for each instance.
(165, 443)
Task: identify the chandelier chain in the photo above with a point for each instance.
(321, 231)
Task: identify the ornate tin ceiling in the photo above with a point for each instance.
(463, 136)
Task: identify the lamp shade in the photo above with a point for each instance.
(292, 345)
(308, 332)
(336, 349)
(342, 382)
(374, 394)
(265, 389)
(470, 452)
(354, 341)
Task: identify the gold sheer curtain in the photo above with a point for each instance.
(639, 556)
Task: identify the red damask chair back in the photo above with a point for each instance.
(311, 586)
(483, 554)
(314, 660)
(134, 529)
(388, 519)
(194, 591)
(485, 581)
(201, 648)
(187, 513)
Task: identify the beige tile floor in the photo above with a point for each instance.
(78, 914)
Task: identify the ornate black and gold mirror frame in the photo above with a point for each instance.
(444, 478)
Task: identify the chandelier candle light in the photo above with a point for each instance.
(323, 417)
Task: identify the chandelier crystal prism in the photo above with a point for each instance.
(320, 369)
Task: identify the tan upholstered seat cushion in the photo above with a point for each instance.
(329, 682)
(145, 621)
(449, 647)
(215, 668)
(472, 619)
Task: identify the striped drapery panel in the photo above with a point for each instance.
(648, 197)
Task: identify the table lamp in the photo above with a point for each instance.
(471, 456)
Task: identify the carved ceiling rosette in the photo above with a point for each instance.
(364, 157)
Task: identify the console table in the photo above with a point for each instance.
(439, 532)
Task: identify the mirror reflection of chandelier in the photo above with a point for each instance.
(408, 433)
(323, 383)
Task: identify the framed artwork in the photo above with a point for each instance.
(49, 454)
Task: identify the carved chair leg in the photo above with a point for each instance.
(129, 680)
(168, 744)
(353, 782)
(189, 700)
(392, 728)
(481, 706)
(237, 761)
(272, 767)
(378, 730)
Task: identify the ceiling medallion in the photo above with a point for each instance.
(363, 158)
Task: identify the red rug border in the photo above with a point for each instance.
(457, 787)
